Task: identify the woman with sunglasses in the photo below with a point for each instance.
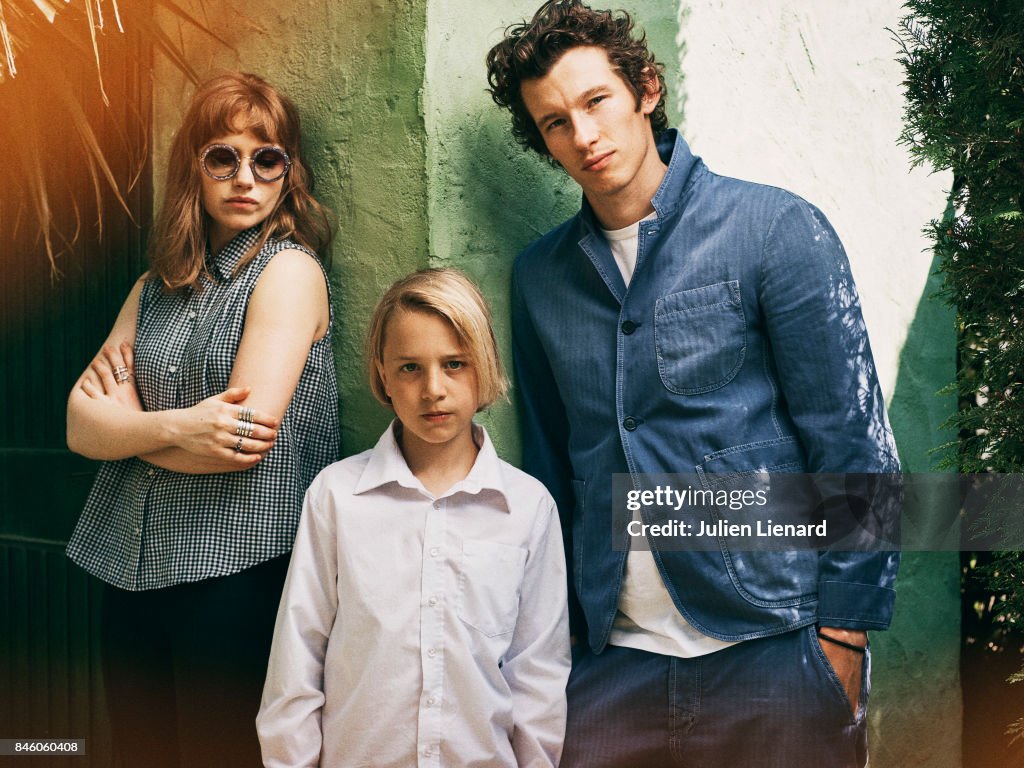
(213, 403)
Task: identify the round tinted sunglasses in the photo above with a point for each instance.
(222, 162)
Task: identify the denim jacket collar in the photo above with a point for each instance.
(681, 162)
(669, 199)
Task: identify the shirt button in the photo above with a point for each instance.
(628, 327)
(427, 753)
(172, 368)
(432, 652)
(437, 505)
(434, 552)
(151, 472)
(630, 423)
(432, 601)
(191, 315)
(431, 701)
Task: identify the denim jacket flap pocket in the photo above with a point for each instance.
(700, 337)
(763, 578)
(781, 454)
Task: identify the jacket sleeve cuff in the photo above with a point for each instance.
(855, 606)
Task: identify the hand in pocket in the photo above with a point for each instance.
(847, 664)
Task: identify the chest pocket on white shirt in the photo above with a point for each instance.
(490, 577)
(700, 337)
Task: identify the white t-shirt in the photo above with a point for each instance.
(647, 619)
(624, 243)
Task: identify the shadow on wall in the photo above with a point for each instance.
(518, 196)
(927, 362)
(916, 706)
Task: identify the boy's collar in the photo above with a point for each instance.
(387, 465)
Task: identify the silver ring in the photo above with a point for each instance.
(238, 445)
(243, 428)
(245, 413)
(121, 374)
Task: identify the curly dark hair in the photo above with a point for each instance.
(530, 49)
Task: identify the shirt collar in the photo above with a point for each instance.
(387, 465)
(681, 162)
(222, 266)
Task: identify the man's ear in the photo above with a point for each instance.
(652, 91)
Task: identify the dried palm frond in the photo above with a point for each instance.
(53, 95)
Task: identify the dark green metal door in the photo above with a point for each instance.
(50, 328)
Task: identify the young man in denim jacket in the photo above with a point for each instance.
(687, 322)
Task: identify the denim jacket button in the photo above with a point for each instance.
(628, 327)
(630, 423)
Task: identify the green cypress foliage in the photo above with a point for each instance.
(964, 61)
(964, 87)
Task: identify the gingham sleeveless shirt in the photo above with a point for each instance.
(144, 527)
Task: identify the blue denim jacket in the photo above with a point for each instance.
(738, 346)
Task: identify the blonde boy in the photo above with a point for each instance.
(423, 622)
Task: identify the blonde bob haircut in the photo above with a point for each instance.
(230, 103)
(451, 295)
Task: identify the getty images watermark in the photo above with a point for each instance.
(776, 511)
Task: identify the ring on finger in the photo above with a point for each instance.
(238, 445)
(245, 413)
(121, 374)
(244, 428)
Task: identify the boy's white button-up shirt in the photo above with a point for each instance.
(416, 630)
